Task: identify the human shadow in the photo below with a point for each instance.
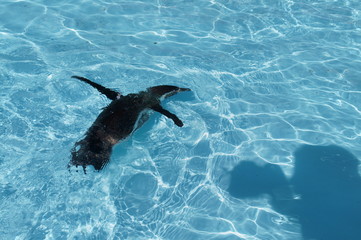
(324, 193)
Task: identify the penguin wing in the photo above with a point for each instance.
(160, 109)
(111, 94)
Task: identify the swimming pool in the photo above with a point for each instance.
(270, 145)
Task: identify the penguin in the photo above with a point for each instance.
(117, 121)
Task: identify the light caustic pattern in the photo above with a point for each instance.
(266, 77)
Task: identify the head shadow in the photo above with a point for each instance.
(324, 193)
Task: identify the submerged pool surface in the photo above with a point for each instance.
(271, 142)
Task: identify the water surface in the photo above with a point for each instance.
(269, 79)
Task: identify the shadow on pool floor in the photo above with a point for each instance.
(327, 184)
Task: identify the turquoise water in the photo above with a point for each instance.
(271, 143)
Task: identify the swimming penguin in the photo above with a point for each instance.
(118, 120)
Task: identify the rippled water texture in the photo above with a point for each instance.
(271, 142)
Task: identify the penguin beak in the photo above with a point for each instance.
(184, 89)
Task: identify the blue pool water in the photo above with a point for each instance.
(271, 145)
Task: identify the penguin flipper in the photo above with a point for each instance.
(160, 109)
(111, 94)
